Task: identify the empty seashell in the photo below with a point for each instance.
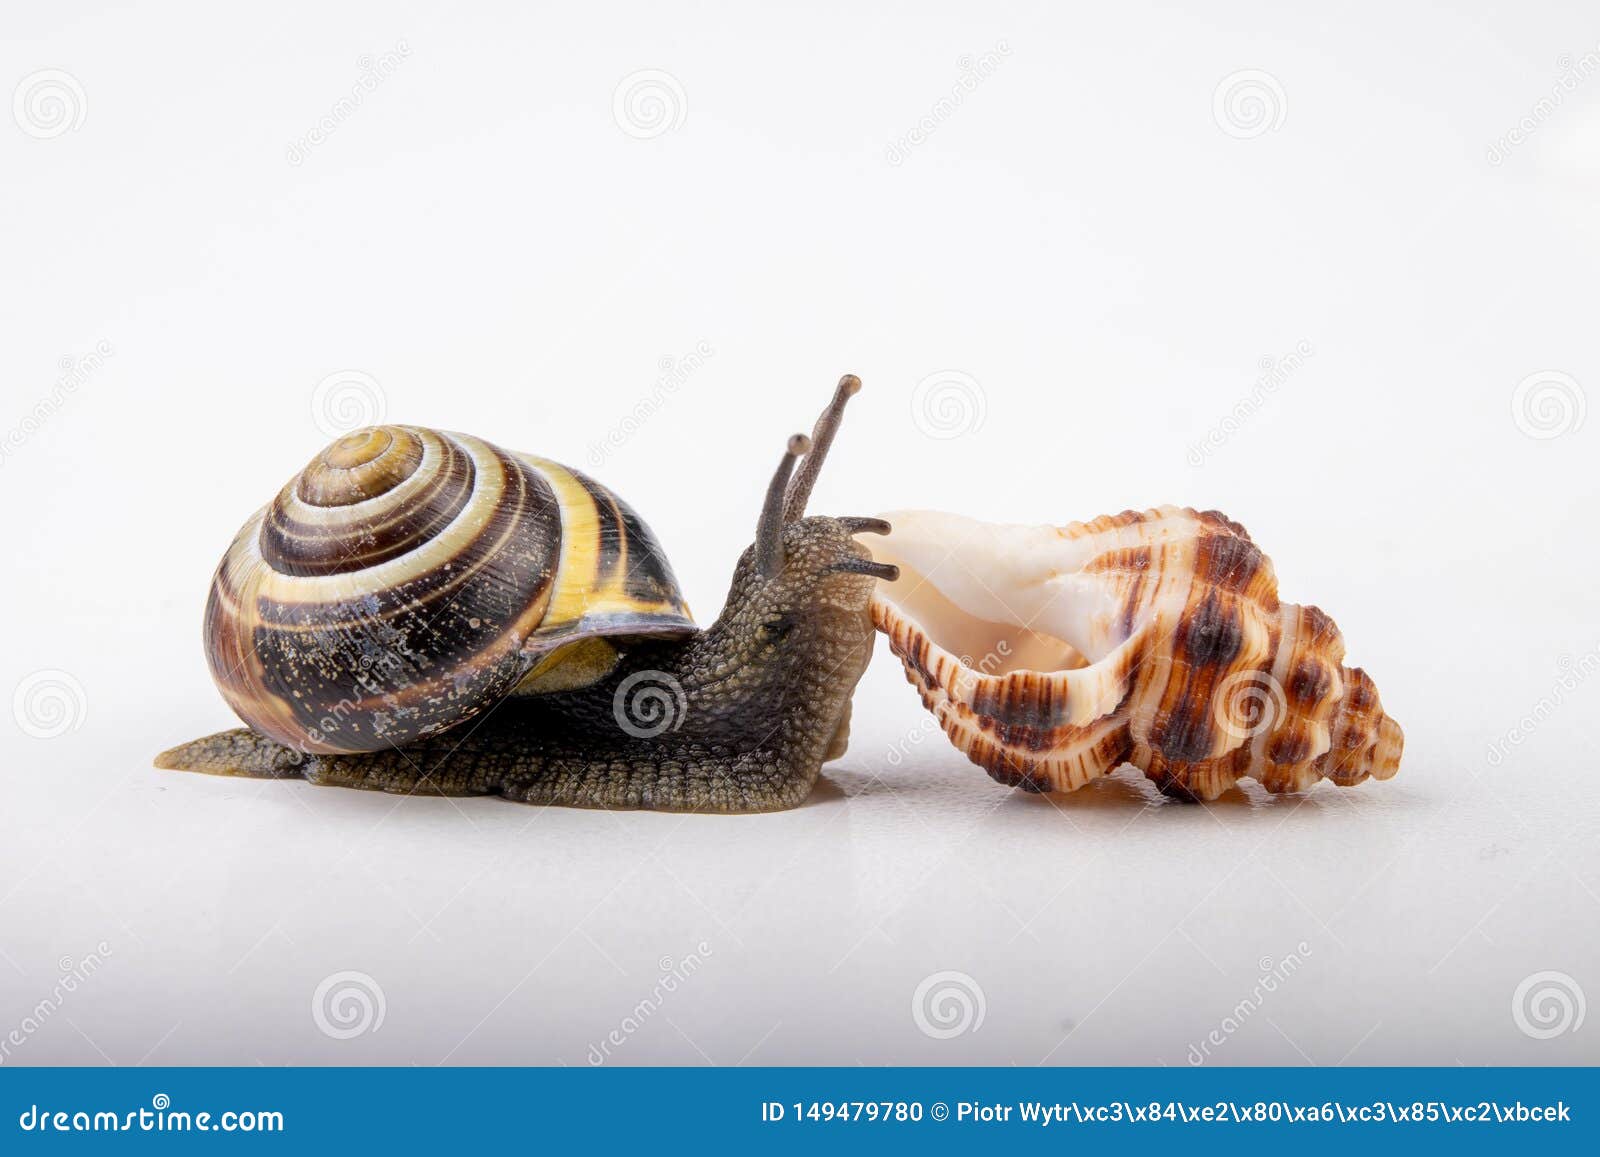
(1052, 655)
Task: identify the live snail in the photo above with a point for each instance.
(425, 613)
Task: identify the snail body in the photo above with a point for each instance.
(1051, 655)
(424, 612)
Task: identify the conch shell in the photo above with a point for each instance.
(1052, 655)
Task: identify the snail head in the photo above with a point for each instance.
(806, 583)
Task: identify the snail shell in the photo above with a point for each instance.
(408, 579)
(1052, 655)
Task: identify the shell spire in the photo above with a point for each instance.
(1050, 656)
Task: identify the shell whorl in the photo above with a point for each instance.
(1153, 638)
(407, 579)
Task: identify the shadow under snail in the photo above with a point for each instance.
(423, 612)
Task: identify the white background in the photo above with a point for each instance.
(1103, 252)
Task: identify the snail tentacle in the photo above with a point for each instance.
(769, 531)
(821, 440)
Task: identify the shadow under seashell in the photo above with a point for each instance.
(1051, 656)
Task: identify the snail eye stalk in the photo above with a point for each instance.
(886, 571)
(854, 525)
(821, 438)
(769, 531)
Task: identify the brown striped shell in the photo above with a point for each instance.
(407, 579)
(1052, 655)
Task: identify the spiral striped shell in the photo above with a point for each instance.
(1052, 655)
(407, 580)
